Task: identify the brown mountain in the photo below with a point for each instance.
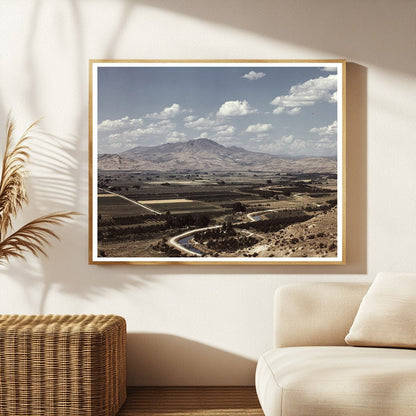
(205, 154)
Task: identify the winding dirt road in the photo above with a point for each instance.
(174, 240)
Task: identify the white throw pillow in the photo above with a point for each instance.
(387, 314)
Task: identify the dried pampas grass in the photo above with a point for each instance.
(34, 236)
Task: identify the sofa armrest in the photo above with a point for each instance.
(309, 314)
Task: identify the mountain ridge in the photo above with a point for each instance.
(208, 155)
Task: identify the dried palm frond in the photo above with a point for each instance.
(32, 237)
(12, 183)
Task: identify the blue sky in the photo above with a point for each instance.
(289, 111)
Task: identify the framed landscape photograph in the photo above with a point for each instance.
(217, 162)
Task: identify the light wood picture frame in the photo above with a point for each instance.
(217, 162)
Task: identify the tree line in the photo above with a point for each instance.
(115, 232)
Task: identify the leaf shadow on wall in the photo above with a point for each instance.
(53, 187)
(58, 179)
(338, 28)
(163, 359)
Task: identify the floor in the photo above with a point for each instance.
(187, 401)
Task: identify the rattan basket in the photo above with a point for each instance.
(52, 365)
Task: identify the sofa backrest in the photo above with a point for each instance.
(309, 314)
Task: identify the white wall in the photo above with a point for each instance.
(204, 324)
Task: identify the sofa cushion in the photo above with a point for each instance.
(341, 381)
(387, 314)
(315, 314)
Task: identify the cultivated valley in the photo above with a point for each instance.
(202, 199)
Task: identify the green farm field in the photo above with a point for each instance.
(182, 207)
(112, 205)
(139, 214)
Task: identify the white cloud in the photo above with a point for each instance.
(258, 128)
(226, 131)
(253, 76)
(293, 111)
(120, 125)
(218, 131)
(126, 138)
(151, 129)
(298, 145)
(175, 137)
(115, 143)
(200, 124)
(223, 133)
(287, 139)
(161, 123)
(322, 89)
(329, 69)
(115, 147)
(256, 139)
(293, 145)
(167, 112)
(273, 148)
(224, 140)
(327, 145)
(286, 145)
(118, 129)
(160, 127)
(235, 108)
(187, 119)
(326, 130)
(279, 110)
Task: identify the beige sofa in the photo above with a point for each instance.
(312, 371)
